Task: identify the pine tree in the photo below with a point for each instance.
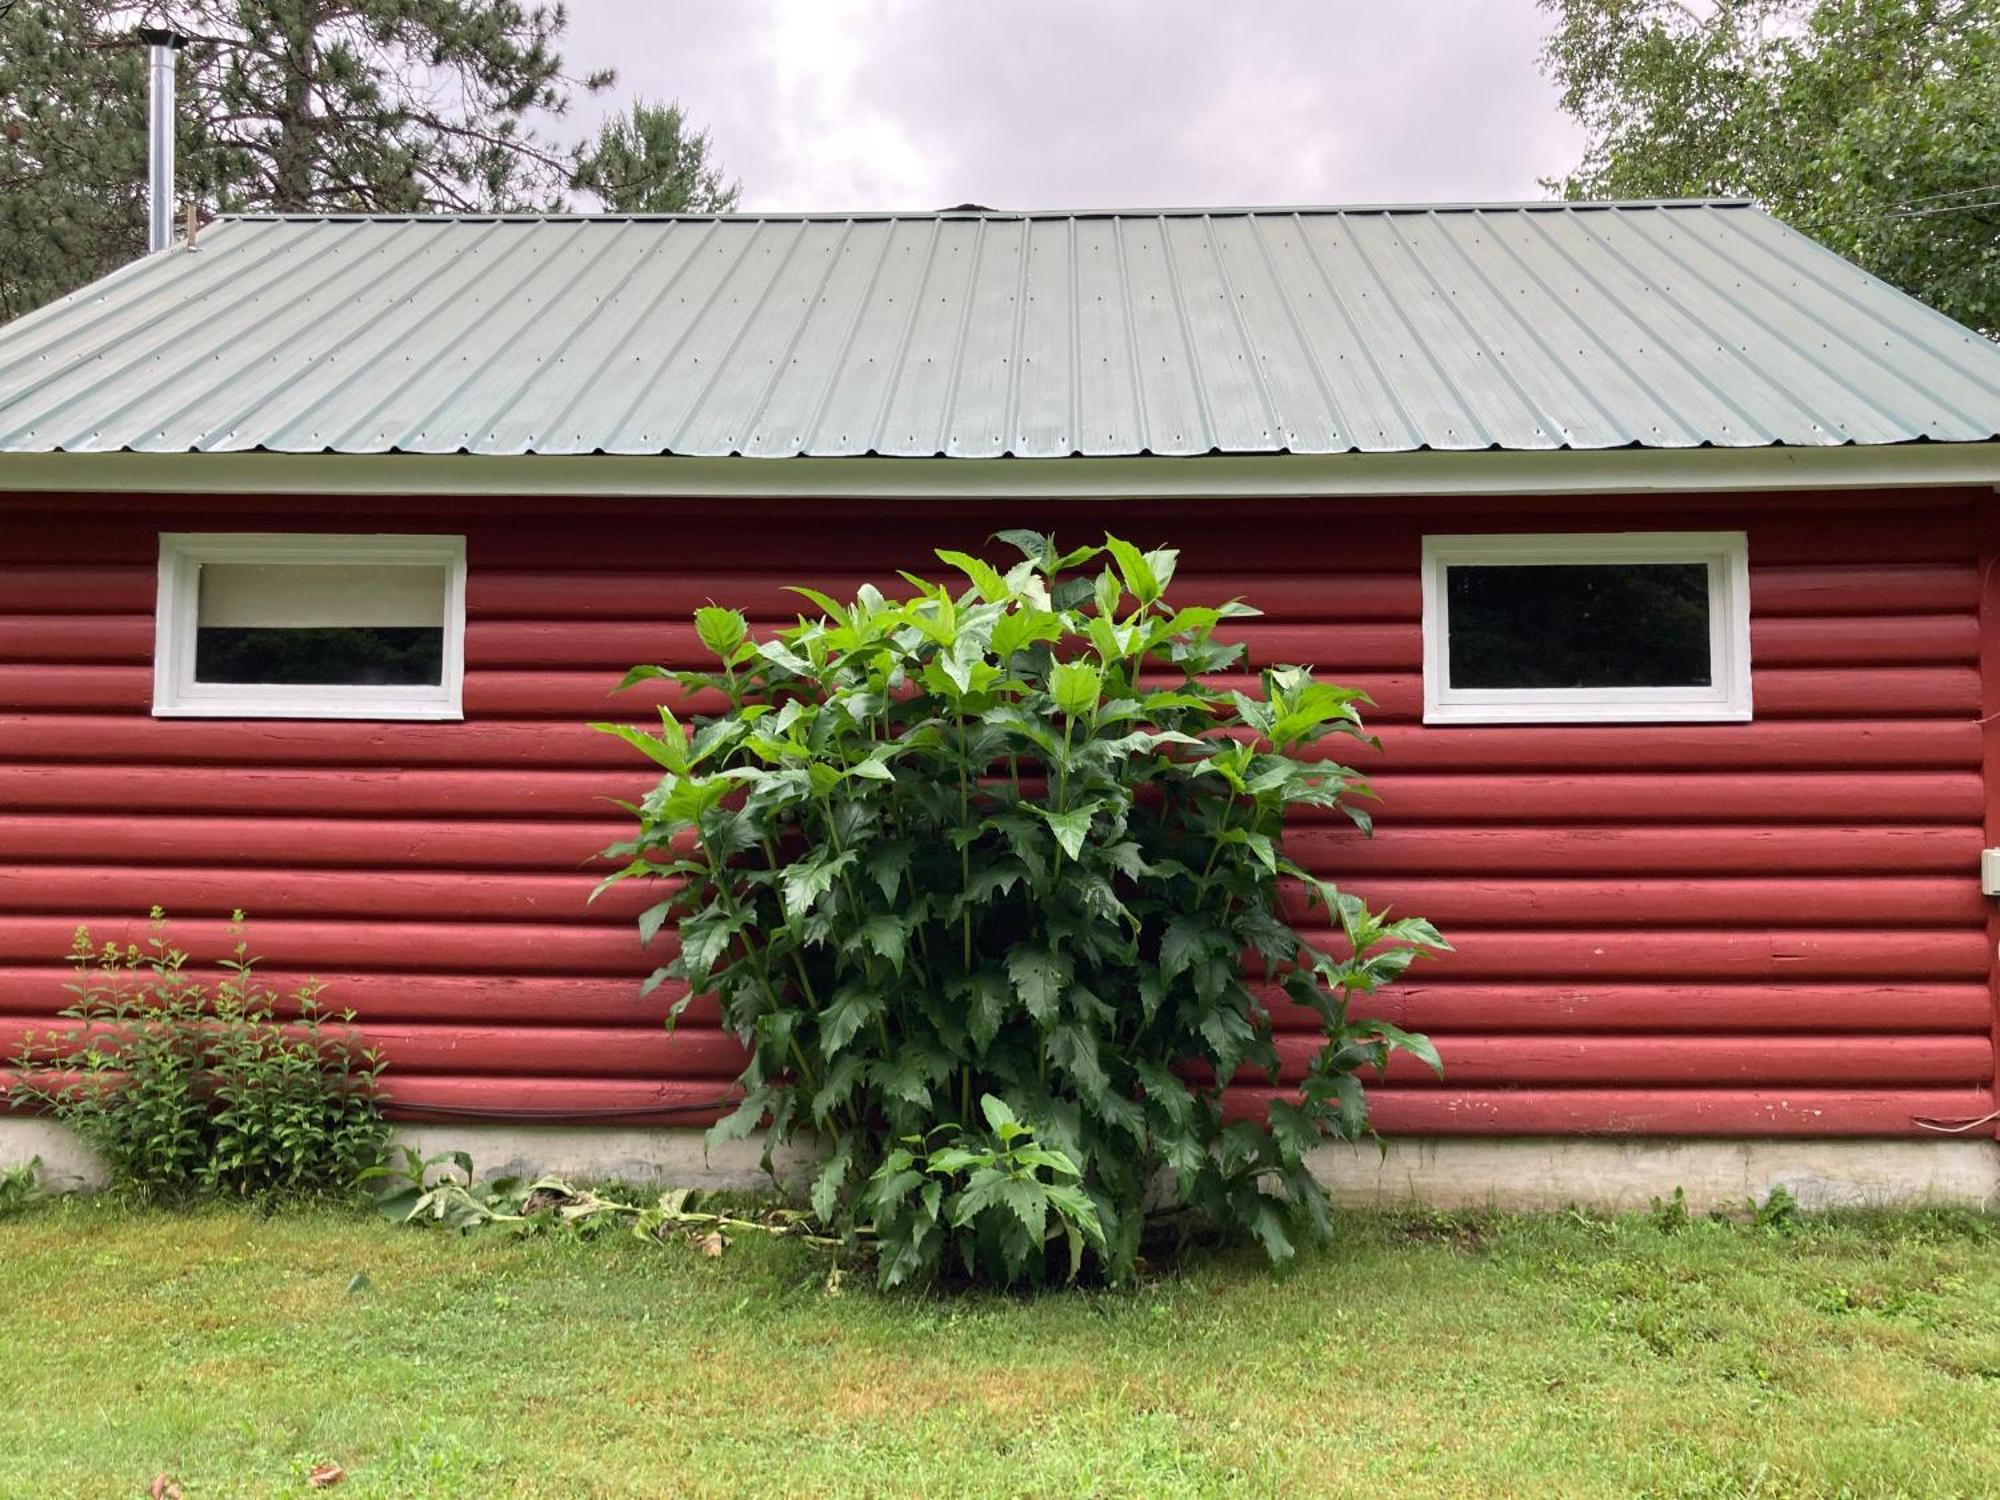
(650, 160)
(302, 106)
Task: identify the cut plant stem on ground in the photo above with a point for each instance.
(1420, 1354)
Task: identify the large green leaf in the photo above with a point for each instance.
(985, 577)
(1029, 1202)
(1184, 940)
(1292, 1129)
(833, 1174)
(1071, 828)
(1000, 1116)
(720, 630)
(744, 1119)
(853, 1008)
(669, 750)
(807, 880)
(1267, 1223)
(654, 917)
(1039, 979)
(906, 1076)
(886, 865)
(1073, 1048)
(989, 996)
(1135, 568)
(837, 1087)
(887, 935)
(1167, 1091)
(1075, 686)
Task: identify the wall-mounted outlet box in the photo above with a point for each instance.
(1989, 871)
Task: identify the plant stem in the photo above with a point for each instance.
(1062, 792)
(964, 852)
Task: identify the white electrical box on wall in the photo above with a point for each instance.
(1989, 871)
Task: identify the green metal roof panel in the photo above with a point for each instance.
(1532, 326)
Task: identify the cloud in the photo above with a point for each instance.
(917, 104)
(835, 134)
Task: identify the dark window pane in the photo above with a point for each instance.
(1571, 625)
(352, 655)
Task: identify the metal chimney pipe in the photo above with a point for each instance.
(165, 49)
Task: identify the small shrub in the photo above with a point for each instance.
(1779, 1212)
(194, 1090)
(1009, 841)
(1670, 1215)
(1001, 1196)
(20, 1187)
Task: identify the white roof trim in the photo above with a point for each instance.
(1609, 472)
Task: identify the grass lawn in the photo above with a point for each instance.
(1422, 1356)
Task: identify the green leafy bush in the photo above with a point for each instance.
(1011, 841)
(192, 1090)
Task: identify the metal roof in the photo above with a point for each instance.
(985, 334)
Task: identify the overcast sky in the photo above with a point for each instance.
(919, 104)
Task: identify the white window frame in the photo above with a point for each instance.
(1727, 696)
(176, 694)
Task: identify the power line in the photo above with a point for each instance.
(1991, 187)
(1886, 215)
(1950, 208)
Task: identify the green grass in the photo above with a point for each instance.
(1424, 1355)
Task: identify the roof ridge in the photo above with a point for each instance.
(876, 215)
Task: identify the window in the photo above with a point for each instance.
(291, 626)
(1592, 628)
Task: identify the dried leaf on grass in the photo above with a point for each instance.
(324, 1475)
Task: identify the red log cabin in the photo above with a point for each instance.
(1663, 538)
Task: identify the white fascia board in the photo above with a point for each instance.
(1599, 472)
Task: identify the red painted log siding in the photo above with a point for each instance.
(1764, 928)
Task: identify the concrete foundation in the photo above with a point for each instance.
(66, 1164)
(1611, 1174)
(1525, 1174)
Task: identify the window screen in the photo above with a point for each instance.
(325, 623)
(1579, 625)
